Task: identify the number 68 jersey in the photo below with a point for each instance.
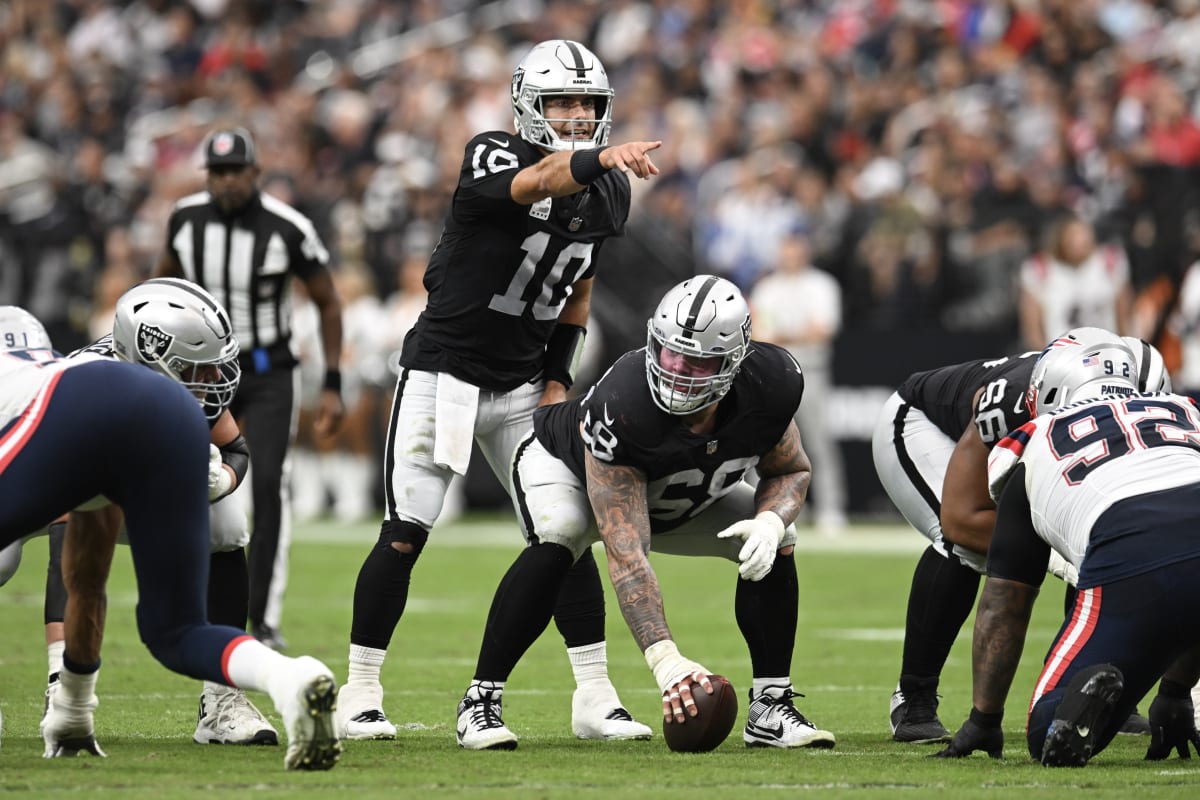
(1083, 458)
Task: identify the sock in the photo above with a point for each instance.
(251, 664)
(365, 664)
(939, 602)
(772, 686)
(228, 588)
(76, 690)
(590, 664)
(54, 659)
(579, 608)
(767, 614)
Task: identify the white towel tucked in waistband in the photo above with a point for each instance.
(454, 425)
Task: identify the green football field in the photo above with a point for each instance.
(852, 600)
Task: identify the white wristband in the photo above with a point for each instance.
(668, 666)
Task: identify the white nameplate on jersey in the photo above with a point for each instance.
(541, 209)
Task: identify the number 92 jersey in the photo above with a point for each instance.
(991, 392)
(619, 423)
(501, 271)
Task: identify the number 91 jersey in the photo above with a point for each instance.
(502, 271)
(1083, 458)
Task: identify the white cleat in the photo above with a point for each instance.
(600, 715)
(360, 713)
(480, 726)
(774, 721)
(307, 708)
(228, 717)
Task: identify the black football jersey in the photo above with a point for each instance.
(947, 395)
(619, 423)
(501, 271)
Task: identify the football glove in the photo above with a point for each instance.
(1172, 727)
(219, 479)
(761, 537)
(979, 732)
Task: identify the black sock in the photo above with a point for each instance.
(56, 593)
(939, 602)
(767, 612)
(228, 588)
(521, 608)
(380, 595)
(579, 611)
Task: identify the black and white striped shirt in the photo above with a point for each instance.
(246, 260)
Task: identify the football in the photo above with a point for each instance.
(710, 727)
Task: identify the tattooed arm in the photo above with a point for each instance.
(618, 497)
(1001, 622)
(785, 473)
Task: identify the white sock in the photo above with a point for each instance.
(365, 664)
(478, 689)
(251, 665)
(590, 664)
(775, 686)
(54, 652)
(75, 690)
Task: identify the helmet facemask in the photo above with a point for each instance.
(701, 328)
(553, 69)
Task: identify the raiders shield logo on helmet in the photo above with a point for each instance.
(152, 342)
(517, 79)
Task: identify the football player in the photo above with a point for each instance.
(139, 448)
(660, 447)
(1109, 478)
(510, 284)
(930, 449)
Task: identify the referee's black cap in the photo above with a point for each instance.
(229, 147)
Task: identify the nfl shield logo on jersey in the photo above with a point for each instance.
(152, 342)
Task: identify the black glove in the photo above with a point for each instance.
(1172, 726)
(980, 732)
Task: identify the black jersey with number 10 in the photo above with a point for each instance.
(502, 271)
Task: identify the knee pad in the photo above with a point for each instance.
(405, 532)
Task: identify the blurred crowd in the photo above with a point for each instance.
(952, 164)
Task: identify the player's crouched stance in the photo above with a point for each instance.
(139, 441)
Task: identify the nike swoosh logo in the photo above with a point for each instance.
(776, 732)
(498, 142)
(607, 419)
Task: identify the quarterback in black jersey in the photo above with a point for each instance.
(509, 284)
(931, 447)
(658, 451)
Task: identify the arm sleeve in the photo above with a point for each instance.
(236, 454)
(1017, 553)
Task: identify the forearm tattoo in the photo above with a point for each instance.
(1001, 622)
(618, 496)
(785, 475)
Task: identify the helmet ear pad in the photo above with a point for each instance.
(703, 318)
(559, 67)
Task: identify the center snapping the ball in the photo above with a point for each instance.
(717, 714)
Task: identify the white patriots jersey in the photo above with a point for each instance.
(24, 374)
(1082, 458)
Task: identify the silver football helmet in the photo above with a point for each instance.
(556, 67)
(1081, 364)
(1152, 370)
(20, 330)
(705, 320)
(178, 329)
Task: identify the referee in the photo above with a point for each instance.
(245, 247)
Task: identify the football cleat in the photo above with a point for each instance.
(479, 723)
(913, 712)
(68, 729)
(1081, 717)
(269, 636)
(307, 701)
(774, 721)
(228, 717)
(360, 713)
(598, 714)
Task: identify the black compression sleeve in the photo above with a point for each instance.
(237, 455)
(563, 352)
(1017, 553)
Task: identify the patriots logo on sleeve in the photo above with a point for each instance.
(152, 342)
